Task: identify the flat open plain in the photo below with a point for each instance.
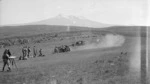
(94, 65)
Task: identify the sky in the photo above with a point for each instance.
(121, 12)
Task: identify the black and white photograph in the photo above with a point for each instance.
(74, 42)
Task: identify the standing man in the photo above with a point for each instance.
(23, 53)
(28, 50)
(34, 51)
(5, 58)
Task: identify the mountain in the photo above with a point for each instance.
(70, 21)
(59, 23)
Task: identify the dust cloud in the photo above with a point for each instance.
(107, 41)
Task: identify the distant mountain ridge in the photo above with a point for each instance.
(65, 20)
(70, 21)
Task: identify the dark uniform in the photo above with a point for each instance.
(28, 50)
(23, 54)
(5, 58)
(34, 51)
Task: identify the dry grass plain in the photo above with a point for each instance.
(90, 66)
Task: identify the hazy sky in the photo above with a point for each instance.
(128, 12)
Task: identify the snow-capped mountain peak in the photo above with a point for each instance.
(61, 16)
(71, 17)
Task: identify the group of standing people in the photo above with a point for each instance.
(26, 53)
